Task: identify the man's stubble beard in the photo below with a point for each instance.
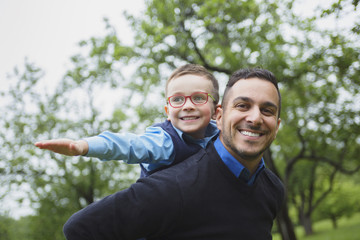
(242, 153)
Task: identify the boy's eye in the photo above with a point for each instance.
(177, 99)
(199, 98)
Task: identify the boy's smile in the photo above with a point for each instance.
(190, 118)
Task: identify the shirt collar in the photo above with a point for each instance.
(235, 166)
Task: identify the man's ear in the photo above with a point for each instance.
(278, 125)
(219, 114)
(166, 108)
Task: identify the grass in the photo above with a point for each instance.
(348, 229)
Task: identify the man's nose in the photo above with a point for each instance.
(254, 116)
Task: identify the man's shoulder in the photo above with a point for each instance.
(272, 177)
(274, 184)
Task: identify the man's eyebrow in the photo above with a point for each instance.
(240, 98)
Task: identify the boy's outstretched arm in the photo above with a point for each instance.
(64, 146)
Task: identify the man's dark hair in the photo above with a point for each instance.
(251, 73)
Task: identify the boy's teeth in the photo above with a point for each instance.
(250, 134)
(188, 118)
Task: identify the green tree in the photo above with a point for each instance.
(57, 186)
(322, 113)
(311, 184)
(342, 202)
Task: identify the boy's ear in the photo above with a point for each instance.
(215, 112)
(166, 108)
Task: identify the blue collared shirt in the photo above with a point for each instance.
(235, 166)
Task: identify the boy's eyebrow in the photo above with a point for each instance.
(249, 100)
(192, 91)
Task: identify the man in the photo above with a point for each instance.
(222, 192)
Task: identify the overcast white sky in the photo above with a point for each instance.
(47, 32)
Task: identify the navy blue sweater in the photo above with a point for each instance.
(198, 198)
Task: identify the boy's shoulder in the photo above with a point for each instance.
(166, 123)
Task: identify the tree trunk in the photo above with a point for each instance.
(334, 222)
(305, 221)
(285, 225)
(283, 220)
(307, 224)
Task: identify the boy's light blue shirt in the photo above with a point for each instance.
(152, 149)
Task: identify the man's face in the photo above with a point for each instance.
(249, 121)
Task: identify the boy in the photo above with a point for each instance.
(192, 96)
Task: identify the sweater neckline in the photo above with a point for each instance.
(230, 176)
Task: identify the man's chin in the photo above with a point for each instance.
(250, 155)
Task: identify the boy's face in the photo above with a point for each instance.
(190, 118)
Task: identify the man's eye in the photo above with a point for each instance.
(268, 111)
(241, 106)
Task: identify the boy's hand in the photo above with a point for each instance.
(65, 146)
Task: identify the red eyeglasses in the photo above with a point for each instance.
(197, 98)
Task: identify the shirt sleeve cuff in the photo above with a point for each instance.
(96, 147)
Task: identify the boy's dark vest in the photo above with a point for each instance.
(182, 149)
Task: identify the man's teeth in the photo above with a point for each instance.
(189, 118)
(250, 134)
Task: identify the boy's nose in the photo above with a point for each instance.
(188, 104)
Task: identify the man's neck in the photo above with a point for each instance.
(250, 164)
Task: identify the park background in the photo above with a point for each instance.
(113, 79)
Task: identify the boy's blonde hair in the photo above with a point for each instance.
(198, 70)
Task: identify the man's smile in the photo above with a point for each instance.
(250, 134)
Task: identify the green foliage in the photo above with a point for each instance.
(342, 202)
(56, 186)
(221, 35)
